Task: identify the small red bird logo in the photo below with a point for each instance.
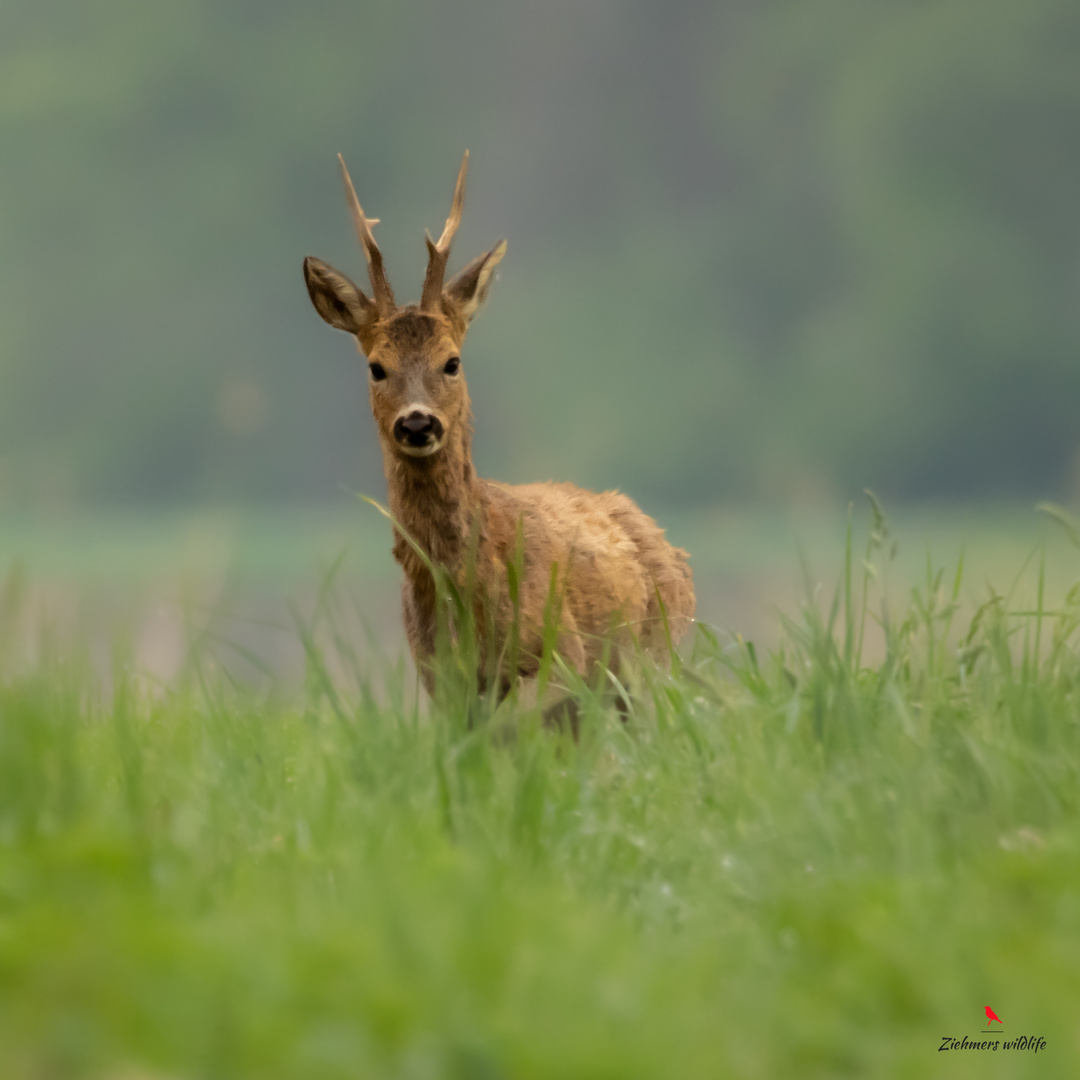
(991, 1016)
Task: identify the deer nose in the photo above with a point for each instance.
(417, 429)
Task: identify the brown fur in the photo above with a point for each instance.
(613, 566)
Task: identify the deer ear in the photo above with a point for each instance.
(339, 301)
(466, 292)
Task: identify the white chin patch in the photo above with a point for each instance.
(419, 451)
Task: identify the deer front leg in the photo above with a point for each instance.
(563, 713)
(420, 633)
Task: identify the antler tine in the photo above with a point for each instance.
(439, 252)
(454, 220)
(384, 295)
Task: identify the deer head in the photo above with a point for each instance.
(417, 387)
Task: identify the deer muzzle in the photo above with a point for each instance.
(418, 432)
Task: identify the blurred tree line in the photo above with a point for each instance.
(764, 248)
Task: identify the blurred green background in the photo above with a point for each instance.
(762, 254)
(758, 250)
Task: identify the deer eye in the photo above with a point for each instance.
(378, 372)
(452, 366)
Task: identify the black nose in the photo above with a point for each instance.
(417, 429)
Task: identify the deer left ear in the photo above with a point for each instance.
(339, 302)
(468, 290)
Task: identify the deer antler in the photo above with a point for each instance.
(384, 295)
(439, 252)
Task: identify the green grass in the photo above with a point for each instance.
(803, 864)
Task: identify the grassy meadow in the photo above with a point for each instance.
(810, 854)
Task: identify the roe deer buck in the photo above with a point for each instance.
(617, 575)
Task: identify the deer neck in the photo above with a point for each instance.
(436, 501)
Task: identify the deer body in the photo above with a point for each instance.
(616, 578)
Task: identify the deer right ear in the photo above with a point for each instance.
(468, 291)
(340, 302)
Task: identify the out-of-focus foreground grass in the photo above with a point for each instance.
(806, 863)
